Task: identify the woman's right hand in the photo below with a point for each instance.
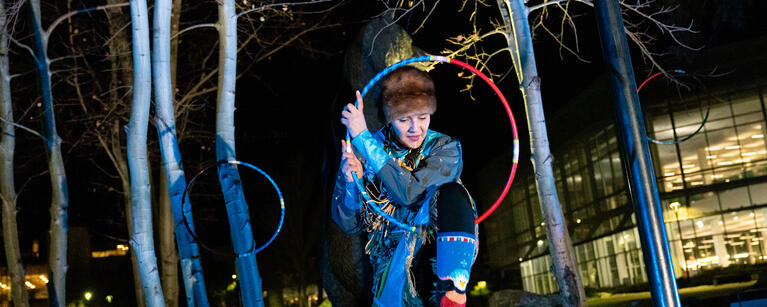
(349, 163)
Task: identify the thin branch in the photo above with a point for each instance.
(671, 29)
(423, 22)
(202, 25)
(98, 166)
(31, 52)
(66, 58)
(85, 10)
(283, 5)
(25, 128)
(389, 24)
(530, 9)
(29, 179)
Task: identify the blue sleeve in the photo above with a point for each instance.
(443, 164)
(346, 206)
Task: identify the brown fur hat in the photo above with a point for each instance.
(407, 89)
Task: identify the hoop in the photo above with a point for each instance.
(498, 93)
(253, 249)
(703, 123)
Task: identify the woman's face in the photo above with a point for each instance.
(411, 129)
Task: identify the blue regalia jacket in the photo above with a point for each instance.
(403, 182)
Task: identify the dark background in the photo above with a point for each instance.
(287, 120)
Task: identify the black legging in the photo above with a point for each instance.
(454, 210)
(454, 214)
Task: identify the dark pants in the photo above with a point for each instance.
(454, 214)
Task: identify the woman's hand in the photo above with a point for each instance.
(353, 118)
(349, 163)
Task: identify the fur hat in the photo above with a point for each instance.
(406, 90)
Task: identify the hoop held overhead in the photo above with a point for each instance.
(442, 59)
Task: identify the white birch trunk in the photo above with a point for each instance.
(141, 240)
(236, 207)
(19, 292)
(520, 43)
(57, 251)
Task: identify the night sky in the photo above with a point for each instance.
(287, 118)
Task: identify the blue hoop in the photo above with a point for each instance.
(235, 162)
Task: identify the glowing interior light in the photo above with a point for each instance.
(540, 242)
(699, 223)
(757, 136)
(732, 147)
(688, 166)
(746, 154)
(578, 221)
(669, 174)
(751, 214)
(29, 285)
(88, 296)
(725, 163)
(711, 157)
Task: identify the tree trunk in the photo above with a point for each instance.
(163, 96)
(7, 188)
(229, 177)
(141, 235)
(121, 75)
(57, 252)
(520, 44)
(164, 67)
(168, 253)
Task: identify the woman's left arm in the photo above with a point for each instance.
(443, 164)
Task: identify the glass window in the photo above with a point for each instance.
(661, 122)
(716, 124)
(735, 198)
(520, 218)
(706, 202)
(739, 221)
(747, 104)
(758, 193)
(749, 118)
(689, 117)
(719, 111)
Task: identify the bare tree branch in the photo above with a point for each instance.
(85, 10)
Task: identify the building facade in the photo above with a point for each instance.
(713, 186)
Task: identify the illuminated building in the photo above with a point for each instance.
(713, 187)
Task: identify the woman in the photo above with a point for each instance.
(413, 173)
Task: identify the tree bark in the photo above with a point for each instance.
(163, 62)
(168, 253)
(57, 251)
(163, 95)
(141, 234)
(13, 259)
(229, 178)
(121, 75)
(520, 44)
